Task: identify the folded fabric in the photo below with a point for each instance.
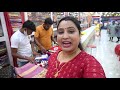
(55, 48)
(31, 71)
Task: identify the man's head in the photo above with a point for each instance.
(28, 27)
(47, 23)
(113, 22)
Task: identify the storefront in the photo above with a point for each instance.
(14, 20)
(5, 50)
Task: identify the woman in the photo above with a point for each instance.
(97, 29)
(108, 27)
(112, 31)
(118, 32)
(72, 61)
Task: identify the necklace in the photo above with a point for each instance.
(57, 72)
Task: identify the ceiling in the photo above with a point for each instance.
(110, 13)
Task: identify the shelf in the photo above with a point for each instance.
(16, 21)
(2, 51)
(5, 50)
(38, 17)
(2, 39)
(4, 60)
(1, 34)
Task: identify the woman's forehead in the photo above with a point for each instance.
(66, 24)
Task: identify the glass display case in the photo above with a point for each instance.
(5, 50)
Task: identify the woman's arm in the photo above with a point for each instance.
(93, 69)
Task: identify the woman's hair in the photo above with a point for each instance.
(76, 22)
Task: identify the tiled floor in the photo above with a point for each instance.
(104, 53)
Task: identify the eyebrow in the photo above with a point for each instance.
(67, 28)
(70, 27)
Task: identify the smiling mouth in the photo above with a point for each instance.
(66, 44)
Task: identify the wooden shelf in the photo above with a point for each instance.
(15, 20)
(2, 51)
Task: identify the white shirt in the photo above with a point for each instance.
(22, 43)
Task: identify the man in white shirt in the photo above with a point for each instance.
(20, 44)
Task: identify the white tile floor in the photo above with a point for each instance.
(104, 53)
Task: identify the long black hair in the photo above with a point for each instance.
(76, 22)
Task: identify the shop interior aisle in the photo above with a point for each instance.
(104, 53)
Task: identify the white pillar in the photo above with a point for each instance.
(26, 16)
(51, 15)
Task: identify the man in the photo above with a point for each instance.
(108, 27)
(101, 25)
(97, 29)
(20, 44)
(112, 31)
(44, 36)
(117, 30)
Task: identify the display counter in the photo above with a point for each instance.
(89, 35)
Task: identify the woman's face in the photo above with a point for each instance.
(68, 36)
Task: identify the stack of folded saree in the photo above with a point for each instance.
(31, 70)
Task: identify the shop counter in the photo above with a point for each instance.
(89, 34)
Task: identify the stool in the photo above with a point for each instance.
(91, 46)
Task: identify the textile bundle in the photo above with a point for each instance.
(31, 71)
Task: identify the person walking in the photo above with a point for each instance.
(112, 31)
(118, 32)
